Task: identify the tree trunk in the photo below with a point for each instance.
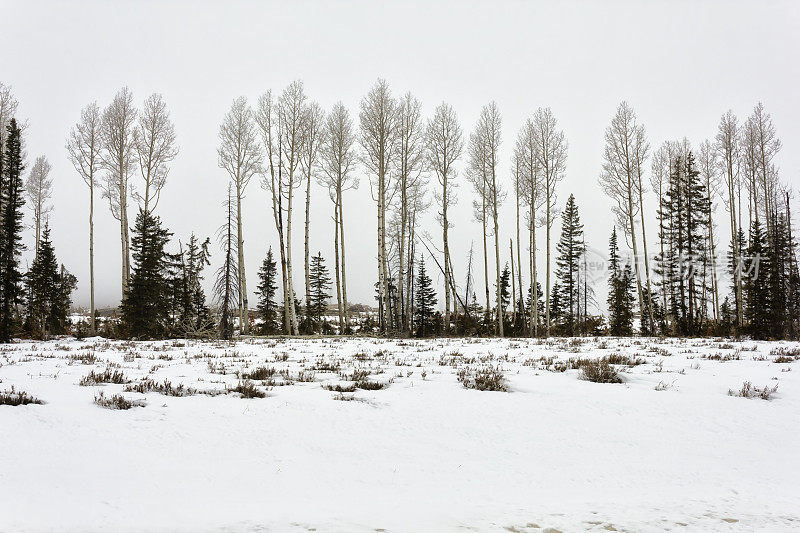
(91, 253)
(307, 255)
(446, 258)
(344, 249)
(336, 259)
(244, 316)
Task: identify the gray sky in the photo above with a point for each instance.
(680, 65)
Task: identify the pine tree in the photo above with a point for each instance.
(425, 301)
(556, 307)
(145, 307)
(756, 287)
(505, 282)
(49, 288)
(267, 287)
(621, 292)
(320, 282)
(683, 219)
(570, 249)
(12, 198)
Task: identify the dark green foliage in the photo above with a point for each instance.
(755, 283)
(145, 305)
(48, 289)
(320, 281)
(189, 310)
(621, 292)
(570, 250)
(684, 229)
(267, 287)
(12, 199)
(425, 300)
(505, 286)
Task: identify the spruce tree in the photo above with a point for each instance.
(12, 198)
(267, 287)
(425, 301)
(621, 292)
(320, 282)
(755, 283)
(145, 306)
(570, 249)
(49, 288)
(505, 284)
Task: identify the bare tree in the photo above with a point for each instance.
(239, 155)
(445, 144)
(39, 189)
(155, 148)
(313, 135)
(764, 145)
(532, 190)
(119, 139)
(661, 170)
(83, 146)
(411, 162)
(708, 170)
(379, 136)
(551, 159)
(726, 146)
(8, 110)
(620, 179)
(337, 161)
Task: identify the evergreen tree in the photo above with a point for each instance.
(556, 307)
(49, 289)
(755, 283)
(683, 219)
(505, 285)
(570, 249)
(621, 292)
(320, 282)
(425, 301)
(145, 306)
(12, 198)
(267, 287)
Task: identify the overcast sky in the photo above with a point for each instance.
(680, 65)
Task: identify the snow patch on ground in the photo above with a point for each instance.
(422, 454)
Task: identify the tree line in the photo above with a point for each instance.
(291, 145)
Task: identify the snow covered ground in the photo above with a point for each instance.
(555, 452)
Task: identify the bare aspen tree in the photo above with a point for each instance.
(708, 171)
(83, 146)
(292, 115)
(411, 161)
(519, 198)
(765, 146)
(155, 148)
(8, 109)
(476, 175)
(661, 170)
(482, 170)
(39, 189)
(445, 144)
(271, 180)
(239, 155)
(337, 161)
(728, 159)
(551, 159)
(619, 179)
(312, 137)
(532, 188)
(118, 158)
(642, 148)
(379, 126)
